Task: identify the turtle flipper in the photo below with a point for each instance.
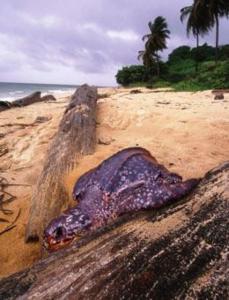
(140, 196)
(183, 188)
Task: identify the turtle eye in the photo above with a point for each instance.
(59, 232)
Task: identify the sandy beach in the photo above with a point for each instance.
(185, 131)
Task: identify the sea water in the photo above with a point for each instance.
(10, 91)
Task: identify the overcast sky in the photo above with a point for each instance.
(78, 41)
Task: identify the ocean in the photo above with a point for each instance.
(11, 91)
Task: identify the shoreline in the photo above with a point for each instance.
(185, 131)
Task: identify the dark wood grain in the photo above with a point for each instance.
(177, 252)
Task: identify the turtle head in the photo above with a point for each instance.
(63, 230)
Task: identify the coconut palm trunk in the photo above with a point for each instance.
(217, 40)
(197, 46)
(158, 66)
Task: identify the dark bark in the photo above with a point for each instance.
(47, 98)
(33, 98)
(217, 39)
(4, 105)
(223, 91)
(177, 252)
(158, 66)
(76, 136)
(197, 46)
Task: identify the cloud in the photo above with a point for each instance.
(73, 42)
(125, 35)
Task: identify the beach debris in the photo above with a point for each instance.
(3, 149)
(43, 119)
(6, 198)
(48, 98)
(39, 119)
(219, 96)
(5, 105)
(102, 96)
(12, 225)
(164, 102)
(30, 99)
(23, 125)
(220, 91)
(135, 91)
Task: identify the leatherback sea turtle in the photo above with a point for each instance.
(128, 181)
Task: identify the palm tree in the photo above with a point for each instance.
(188, 12)
(155, 42)
(216, 9)
(148, 58)
(143, 55)
(208, 13)
(196, 16)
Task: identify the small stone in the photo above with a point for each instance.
(42, 119)
(105, 140)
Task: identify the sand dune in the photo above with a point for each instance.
(187, 132)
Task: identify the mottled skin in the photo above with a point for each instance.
(130, 180)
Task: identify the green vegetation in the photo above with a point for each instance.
(179, 71)
(199, 68)
(209, 76)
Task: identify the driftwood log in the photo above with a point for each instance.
(177, 252)
(30, 99)
(216, 91)
(76, 136)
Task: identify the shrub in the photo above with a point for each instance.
(180, 53)
(134, 73)
(224, 52)
(203, 53)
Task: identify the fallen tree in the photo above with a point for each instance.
(216, 91)
(76, 136)
(30, 99)
(177, 252)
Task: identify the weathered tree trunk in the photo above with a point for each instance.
(178, 252)
(4, 105)
(76, 136)
(33, 98)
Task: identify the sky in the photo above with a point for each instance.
(83, 41)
